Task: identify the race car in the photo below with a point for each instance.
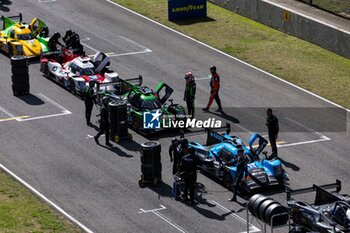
(141, 100)
(74, 72)
(330, 212)
(219, 158)
(18, 38)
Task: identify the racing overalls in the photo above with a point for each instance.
(214, 91)
(242, 171)
(188, 168)
(174, 155)
(273, 129)
(189, 96)
(89, 99)
(104, 125)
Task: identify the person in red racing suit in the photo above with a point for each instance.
(214, 91)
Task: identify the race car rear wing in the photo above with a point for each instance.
(9, 20)
(322, 195)
(213, 137)
(120, 86)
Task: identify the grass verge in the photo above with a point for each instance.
(302, 63)
(21, 211)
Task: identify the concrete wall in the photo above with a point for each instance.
(292, 23)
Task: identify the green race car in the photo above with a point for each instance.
(18, 38)
(143, 101)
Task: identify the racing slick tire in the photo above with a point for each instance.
(257, 203)
(275, 209)
(20, 78)
(263, 207)
(19, 71)
(18, 61)
(72, 87)
(251, 201)
(227, 179)
(150, 152)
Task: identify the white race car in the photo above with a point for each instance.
(76, 72)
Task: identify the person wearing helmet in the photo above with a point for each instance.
(241, 171)
(54, 41)
(104, 122)
(190, 92)
(214, 90)
(89, 100)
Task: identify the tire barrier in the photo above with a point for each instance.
(20, 75)
(267, 210)
(118, 118)
(151, 166)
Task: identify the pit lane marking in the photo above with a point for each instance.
(321, 138)
(252, 228)
(155, 211)
(64, 111)
(45, 1)
(13, 118)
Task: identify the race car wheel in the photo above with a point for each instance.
(227, 179)
(72, 87)
(276, 209)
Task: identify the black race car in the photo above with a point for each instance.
(330, 212)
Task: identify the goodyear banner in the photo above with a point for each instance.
(185, 9)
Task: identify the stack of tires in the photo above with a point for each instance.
(118, 118)
(151, 166)
(264, 208)
(20, 75)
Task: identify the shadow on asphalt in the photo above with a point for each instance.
(31, 99)
(289, 165)
(3, 7)
(130, 145)
(193, 21)
(116, 150)
(163, 189)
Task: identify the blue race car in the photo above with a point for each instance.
(219, 158)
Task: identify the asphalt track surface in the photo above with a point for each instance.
(50, 147)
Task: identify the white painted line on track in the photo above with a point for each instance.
(54, 103)
(93, 49)
(308, 17)
(133, 42)
(303, 143)
(64, 111)
(147, 211)
(85, 39)
(252, 228)
(131, 53)
(155, 211)
(227, 55)
(203, 78)
(304, 126)
(45, 1)
(169, 221)
(82, 226)
(7, 112)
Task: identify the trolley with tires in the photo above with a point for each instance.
(20, 75)
(118, 120)
(151, 166)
